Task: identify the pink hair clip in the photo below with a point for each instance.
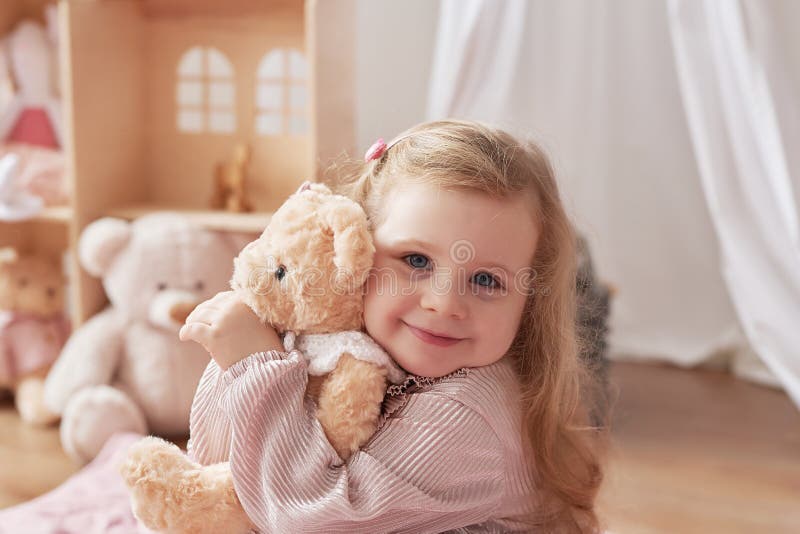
(376, 150)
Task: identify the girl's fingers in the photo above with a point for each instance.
(221, 297)
(201, 314)
(199, 332)
(206, 311)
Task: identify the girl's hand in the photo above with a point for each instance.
(228, 329)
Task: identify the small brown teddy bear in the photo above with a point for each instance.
(32, 329)
(305, 277)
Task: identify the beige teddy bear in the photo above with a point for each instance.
(33, 329)
(304, 276)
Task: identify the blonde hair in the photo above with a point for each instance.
(565, 450)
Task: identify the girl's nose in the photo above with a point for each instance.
(444, 300)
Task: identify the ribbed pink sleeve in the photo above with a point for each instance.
(209, 427)
(439, 470)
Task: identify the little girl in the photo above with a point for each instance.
(473, 294)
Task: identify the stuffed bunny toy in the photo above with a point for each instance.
(34, 114)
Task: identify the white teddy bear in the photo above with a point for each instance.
(125, 369)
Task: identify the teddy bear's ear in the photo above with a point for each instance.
(100, 243)
(8, 255)
(352, 242)
(305, 186)
(317, 187)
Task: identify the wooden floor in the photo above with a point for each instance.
(701, 452)
(31, 459)
(694, 452)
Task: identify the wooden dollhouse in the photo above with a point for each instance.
(157, 93)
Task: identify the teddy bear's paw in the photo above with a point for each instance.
(153, 470)
(29, 400)
(154, 458)
(93, 415)
(217, 505)
(171, 493)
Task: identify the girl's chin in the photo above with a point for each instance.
(424, 368)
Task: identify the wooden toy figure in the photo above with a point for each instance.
(229, 182)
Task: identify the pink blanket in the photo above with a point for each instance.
(94, 500)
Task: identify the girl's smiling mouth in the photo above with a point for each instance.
(432, 338)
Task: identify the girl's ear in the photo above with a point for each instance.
(101, 242)
(352, 241)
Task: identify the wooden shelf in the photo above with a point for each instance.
(210, 219)
(129, 161)
(57, 214)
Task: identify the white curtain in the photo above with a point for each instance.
(596, 84)
(744, 171)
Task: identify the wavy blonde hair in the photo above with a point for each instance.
(565, 450)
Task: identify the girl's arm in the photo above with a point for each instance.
(438, 467)
(228, 329)
(209, 428)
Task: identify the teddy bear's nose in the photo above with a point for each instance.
(181, 310)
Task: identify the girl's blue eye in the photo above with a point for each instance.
(417, 261)
(485, 280)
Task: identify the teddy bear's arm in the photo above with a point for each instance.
(89, 357)
(349, 403)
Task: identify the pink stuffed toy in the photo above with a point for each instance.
(32, 329)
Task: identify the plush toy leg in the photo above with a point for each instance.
(29, 399)
(92, 415)
(350, 403)
(171, 493)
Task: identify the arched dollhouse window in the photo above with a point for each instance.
(205, 92)
(281, 85)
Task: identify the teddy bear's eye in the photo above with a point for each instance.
(161, 286)
(51, 292)
(23, 282)
(199, 285)
(280, 273)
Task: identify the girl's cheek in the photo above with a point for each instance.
(370, 314)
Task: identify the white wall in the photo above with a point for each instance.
(394, 54)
